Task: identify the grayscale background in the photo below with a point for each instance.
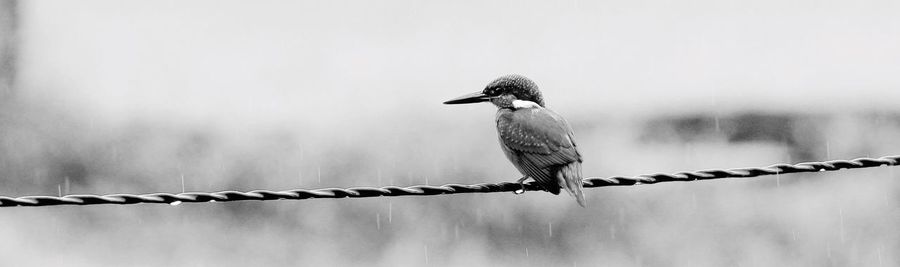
(103, 97)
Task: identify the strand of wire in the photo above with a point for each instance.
(428, 190)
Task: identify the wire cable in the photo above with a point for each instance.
(428, 190)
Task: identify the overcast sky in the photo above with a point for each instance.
(273, 60)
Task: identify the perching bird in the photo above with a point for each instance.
(539, 142)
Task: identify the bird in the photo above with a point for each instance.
(538, 142)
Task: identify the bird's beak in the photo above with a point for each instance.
(475, 97)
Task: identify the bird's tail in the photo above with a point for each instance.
(569, 178)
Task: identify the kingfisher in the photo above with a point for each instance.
(538, 142)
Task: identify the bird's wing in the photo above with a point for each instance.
(539, 141)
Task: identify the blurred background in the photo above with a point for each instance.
(102, 97)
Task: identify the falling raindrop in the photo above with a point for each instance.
(550, 228)
(841, 214)
(175, 203)
(778, 179)
(718, 128)
(378, 174)
(426, 254)
(378, 221)
(182, 183)
(390, 212)
(456, 231)
(319, 173)
(526, 252)
(68, 186)
(59, 188)
(827, 150)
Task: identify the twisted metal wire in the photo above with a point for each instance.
(427, 190)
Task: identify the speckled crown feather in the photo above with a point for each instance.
(519, 86)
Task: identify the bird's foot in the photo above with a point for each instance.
(521, 182)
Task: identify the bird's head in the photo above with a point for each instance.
(503, 92)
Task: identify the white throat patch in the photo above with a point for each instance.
(519, 104)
